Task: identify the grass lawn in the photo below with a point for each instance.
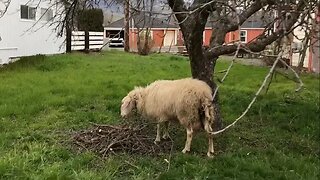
(44, 99)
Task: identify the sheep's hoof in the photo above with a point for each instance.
(210, 155)
(184, 151)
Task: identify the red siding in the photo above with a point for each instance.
(234, 36)
(207, 35)
(158, 37)
(253, 33)
(231, 37)
(133, 39)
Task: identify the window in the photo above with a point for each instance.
(243, 36)
(46, 14)
(296, 47)
(28, 12)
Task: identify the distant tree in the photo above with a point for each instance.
(126, 25)
(90, 19)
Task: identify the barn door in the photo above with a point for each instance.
(169, 38)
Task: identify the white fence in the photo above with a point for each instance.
(78, 40)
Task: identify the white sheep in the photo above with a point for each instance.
(187, 100)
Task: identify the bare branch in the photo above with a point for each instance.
(295, 73)
(4, 7)
(257, 93)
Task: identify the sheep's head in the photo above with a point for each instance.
(129, 103)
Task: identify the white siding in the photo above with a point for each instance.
(299, 35)
(169, 39)
(19, 38)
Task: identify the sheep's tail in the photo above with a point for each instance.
(208, 115)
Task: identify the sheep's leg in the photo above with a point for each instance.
(158, 134)
(210, 148)
(188, 141)
(166, 132)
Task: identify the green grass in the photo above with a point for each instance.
(44, 99)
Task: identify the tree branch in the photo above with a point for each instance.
(257, 93)
(261, 42)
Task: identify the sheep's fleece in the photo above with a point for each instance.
(188, 101)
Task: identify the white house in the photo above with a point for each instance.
(24, 30)
(312, 58)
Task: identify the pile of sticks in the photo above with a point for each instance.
(108, 139)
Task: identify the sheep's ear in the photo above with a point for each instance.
(137, 94)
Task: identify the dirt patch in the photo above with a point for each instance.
(108, 139)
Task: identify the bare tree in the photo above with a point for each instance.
(126, 25)
(193, 17)
(143, 18)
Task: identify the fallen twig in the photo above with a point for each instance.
(169, 159)
(106, 139)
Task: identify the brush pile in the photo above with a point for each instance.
(108, 139)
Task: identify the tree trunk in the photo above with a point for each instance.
(202, 67)
(303, 52)
(139, 47)
(86, 41)
(68, 39)
(146, 46)
(126, 26)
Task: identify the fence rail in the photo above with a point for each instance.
(81, 40)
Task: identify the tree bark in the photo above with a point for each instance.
(146, 46)
(202, 67)
(68, 39)
(126, 25)
(86, 41)
(303, 52)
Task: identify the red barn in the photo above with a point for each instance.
(168, 34)
(249, 31)
(162, 32)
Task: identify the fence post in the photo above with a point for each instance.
(86, 41)
(68, 40)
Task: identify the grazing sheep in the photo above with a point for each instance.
(188, 101)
